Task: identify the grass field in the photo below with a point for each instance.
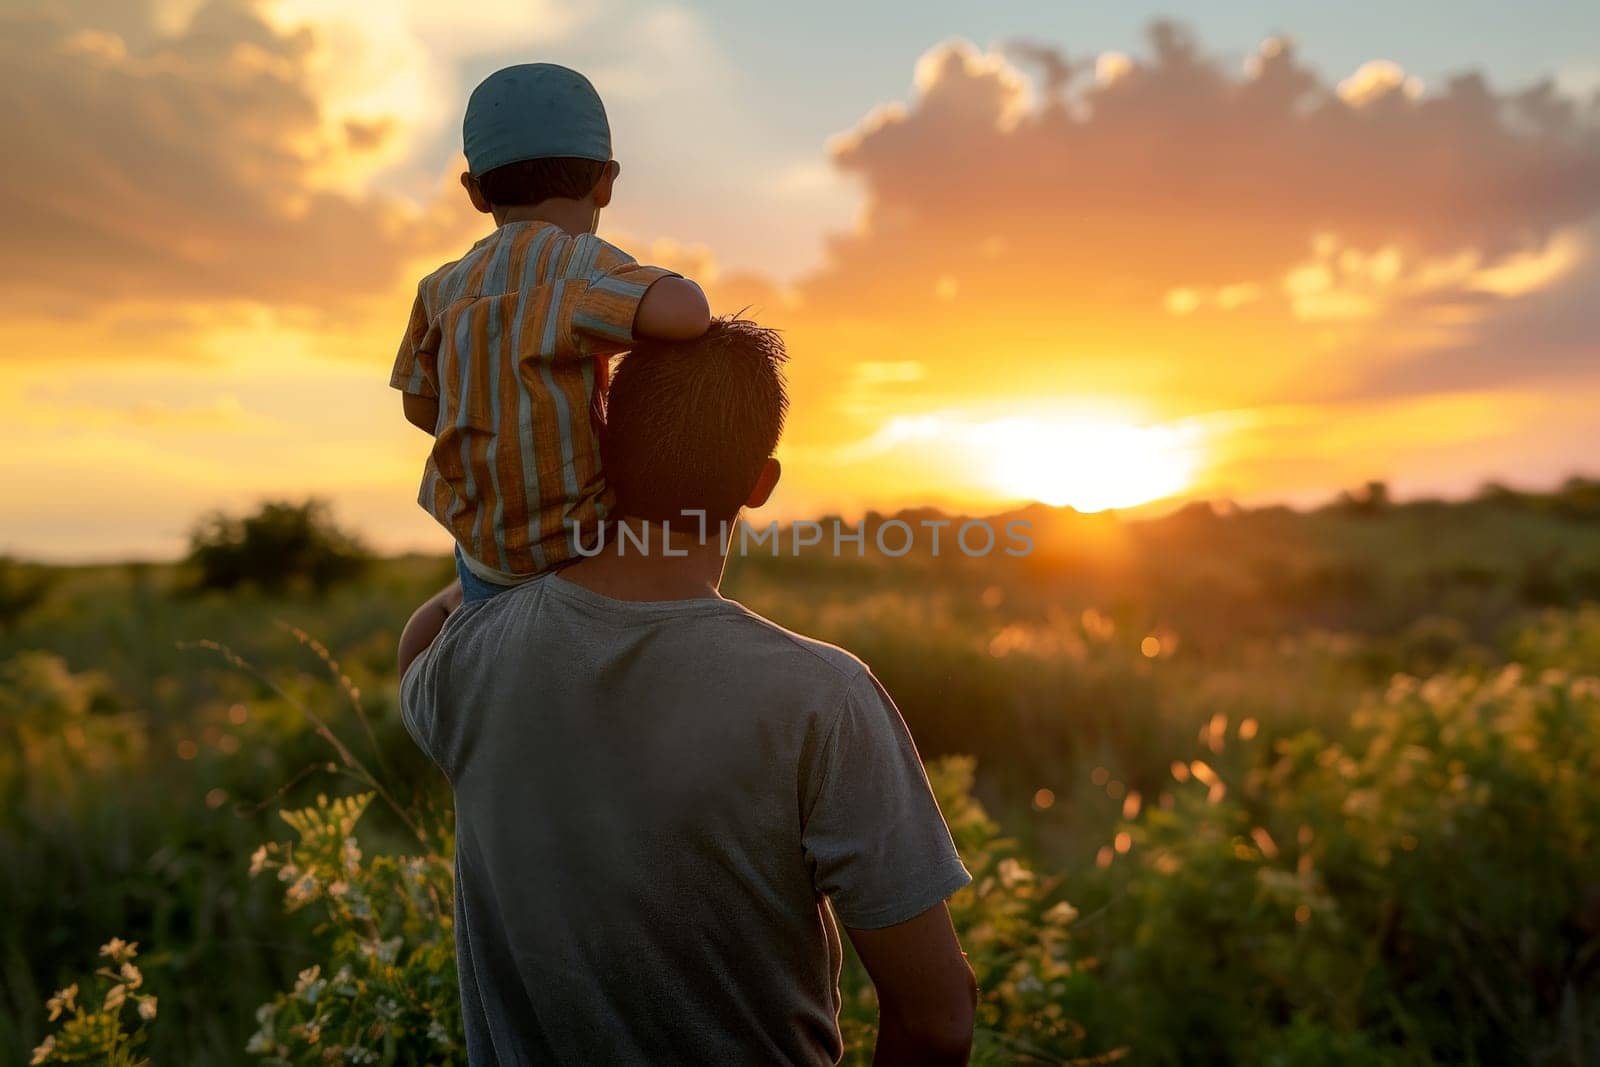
(1251, 786)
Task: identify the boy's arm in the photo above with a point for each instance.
(624, 300)
(673, 309)
(422, 411)
(415, 371)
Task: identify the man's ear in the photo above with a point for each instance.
(602, 188)
(764, 484)
(475, 192)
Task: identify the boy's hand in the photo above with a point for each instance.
(673, 309)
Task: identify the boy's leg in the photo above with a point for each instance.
(426, 622)
(473, 588)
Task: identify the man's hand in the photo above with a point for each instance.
(673, 309)
(927, 997)
(426, 622)
(422, 411)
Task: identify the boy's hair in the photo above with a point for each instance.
(690, 424)
(533, 181)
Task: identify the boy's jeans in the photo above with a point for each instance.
(473, 588)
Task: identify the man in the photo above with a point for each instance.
(659, 793)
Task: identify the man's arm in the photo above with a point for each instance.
(426, 622)
(927, 996)
(422, 411)
(673, 309)
(882, 854)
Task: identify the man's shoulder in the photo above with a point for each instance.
(761, 638)
(736, 639)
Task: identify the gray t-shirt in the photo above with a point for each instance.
(652, 801)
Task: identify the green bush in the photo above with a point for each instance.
(386, 990)
(21, 588)
(280, 546)
(1425, 891)
(102, 1017)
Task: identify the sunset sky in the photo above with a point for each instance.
(1090, 254)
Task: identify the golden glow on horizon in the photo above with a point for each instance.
(1086, 463)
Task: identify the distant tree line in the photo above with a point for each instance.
(22, 585)
(1575, 498)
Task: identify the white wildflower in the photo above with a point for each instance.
(302, 890)
(306, 982)
(64, 1000)
(382, 951)
(258, 860)
(1062, 914)
(119, 950)
(1012, 873)
(114, 998)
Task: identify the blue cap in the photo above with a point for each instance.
(533, 111)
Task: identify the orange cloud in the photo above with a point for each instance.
(1169, 228)
(188, 166)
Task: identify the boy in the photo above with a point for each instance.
(505, 358)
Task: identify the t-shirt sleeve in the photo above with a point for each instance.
(602, 321)
(877, 845)
(416, 367)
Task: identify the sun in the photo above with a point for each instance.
(1088, 464)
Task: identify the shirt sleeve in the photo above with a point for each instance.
(416, 367)
(602, 321)
(877, 845)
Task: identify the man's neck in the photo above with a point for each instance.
(574, 216)
(679, 568)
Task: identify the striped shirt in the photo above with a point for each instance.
(512, 338)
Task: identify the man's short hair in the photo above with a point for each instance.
(690, 425)
(533, 181)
